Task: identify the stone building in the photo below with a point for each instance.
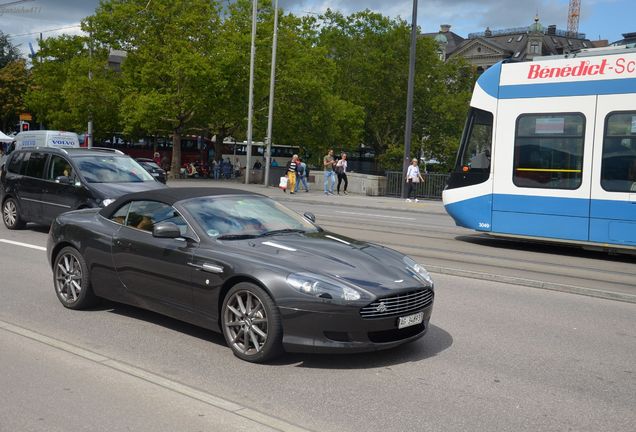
(520, 44)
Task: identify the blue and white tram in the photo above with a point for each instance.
(549, 151)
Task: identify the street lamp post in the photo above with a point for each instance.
(272, 85)
(250, 113)
(409, 99)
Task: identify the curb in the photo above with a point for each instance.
(549, 286)
(231, 408)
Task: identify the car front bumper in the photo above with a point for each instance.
(347, 332)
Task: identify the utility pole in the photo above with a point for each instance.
(272, 85)
(409, 100)
(89, 132)
(250, 113)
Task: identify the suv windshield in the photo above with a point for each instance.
(236, 217)
(111, 169)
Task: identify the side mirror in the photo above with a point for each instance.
(63, 180)
(310, 216)
(166, 230)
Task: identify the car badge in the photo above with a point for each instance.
(381, 307)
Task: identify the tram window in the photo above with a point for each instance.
(549, 151)
(618, 169)
(478, 143)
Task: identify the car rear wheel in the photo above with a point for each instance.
(11, 215)
(71, 281)
(251, 323)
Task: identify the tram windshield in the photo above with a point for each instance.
(477, 143)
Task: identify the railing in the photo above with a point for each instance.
(431, 188)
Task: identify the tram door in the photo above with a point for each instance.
(542, 181)
(613, 207)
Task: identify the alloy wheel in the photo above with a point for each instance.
(10, 213)
(245, 322)
(68, 278)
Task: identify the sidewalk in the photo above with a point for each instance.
(317, 196)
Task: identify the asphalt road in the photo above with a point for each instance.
(497, 357)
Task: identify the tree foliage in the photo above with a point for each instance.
(340, 80)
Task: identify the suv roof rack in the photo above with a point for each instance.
(107, 149)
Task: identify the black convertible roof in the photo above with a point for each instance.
(170, 196)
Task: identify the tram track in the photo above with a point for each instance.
(444, 251)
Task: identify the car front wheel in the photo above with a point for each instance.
(71, 281)
(251, 323)
(11, 215)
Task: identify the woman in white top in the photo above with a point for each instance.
(341, 171)
(413, 177)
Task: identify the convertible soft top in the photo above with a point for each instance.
(170, 196)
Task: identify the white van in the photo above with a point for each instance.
(45, 138)
(41, 138)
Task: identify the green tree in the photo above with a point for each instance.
(61, 94)
(8, 52)
(170, 68)
(371, 53)
(13, 86)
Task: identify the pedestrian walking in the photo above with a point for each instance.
(413, 177)
(341, 171)
(328, 162)
(301, 175)
(291, 173)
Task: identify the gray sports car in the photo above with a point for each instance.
(240, 263)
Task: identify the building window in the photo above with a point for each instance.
(519, 38)
(534, 48)
(584, 45)
(618, 169)
(549, 151)
(517, 54)
(510, 40)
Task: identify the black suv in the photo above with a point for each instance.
(40, 183)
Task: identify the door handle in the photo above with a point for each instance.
(206, 267)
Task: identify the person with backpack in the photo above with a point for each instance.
(302, 171)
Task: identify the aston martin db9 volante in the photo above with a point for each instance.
(240, 263)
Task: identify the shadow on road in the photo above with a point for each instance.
(434, 342)
(544, 247)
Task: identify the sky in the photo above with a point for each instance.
(600, 19)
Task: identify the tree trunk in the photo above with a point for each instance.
(218, 144)
(175, 165)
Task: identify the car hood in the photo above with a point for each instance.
(368, 266)
(115, 190)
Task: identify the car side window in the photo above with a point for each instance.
(120, 215)
(144, 215)
(58, 167)
(35, 165)
(15, 162)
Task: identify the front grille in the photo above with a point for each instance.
(398, 305)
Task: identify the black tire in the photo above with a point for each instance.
(71, 280)
(244, 331)
(11, 215)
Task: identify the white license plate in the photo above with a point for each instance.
(410, 320)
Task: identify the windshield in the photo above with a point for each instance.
(112, 169)
(236, 217)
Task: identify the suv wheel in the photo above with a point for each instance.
(11, 215)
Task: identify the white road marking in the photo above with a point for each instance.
(26, 245)
(375, 215)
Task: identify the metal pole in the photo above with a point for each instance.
(409, 99)
(89, 132)
(272, 85)
(250, 113)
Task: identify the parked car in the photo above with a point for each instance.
(40, 183)
(153, 169)
(244, 265)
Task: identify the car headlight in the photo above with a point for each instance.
(418, 271)
(107, 202)
(319, 286)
